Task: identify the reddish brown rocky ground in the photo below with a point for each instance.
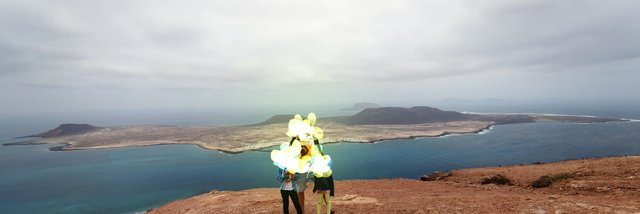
(601, 185)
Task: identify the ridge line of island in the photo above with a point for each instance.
(368, 126)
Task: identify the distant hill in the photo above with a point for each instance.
(504, 118)
(67, 129)
(385, 116)
(360, 106)
(424, 114)
(399, 115)
(280, 118)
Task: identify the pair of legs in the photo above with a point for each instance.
(301, 198)
(323, 197)
(302, 186)
(286, 194)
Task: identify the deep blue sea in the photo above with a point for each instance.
(127, 180)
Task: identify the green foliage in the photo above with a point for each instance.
(498, 179)
(547, 180)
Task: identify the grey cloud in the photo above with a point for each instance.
(564, 34)
(268, 47)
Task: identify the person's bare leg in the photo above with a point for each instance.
(301, 198)
(327, 200)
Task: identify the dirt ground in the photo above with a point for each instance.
(600, 185)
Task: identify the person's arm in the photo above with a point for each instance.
(280, 175)
(331, 187)
(317, 143)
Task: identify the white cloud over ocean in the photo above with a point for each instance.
(88, 54)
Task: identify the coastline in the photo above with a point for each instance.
(238, 139)
(69, 146)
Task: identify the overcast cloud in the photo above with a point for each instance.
(101, 55)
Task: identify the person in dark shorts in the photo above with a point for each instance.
(324, 189)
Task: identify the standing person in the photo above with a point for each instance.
(324, 189)
(303, 178)
(288, 189)
(324, 183)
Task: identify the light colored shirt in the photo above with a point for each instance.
(283, 181)
(287, 185)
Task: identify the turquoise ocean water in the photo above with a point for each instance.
(127, 180)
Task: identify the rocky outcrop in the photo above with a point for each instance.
(399, 115)
(276, 119)
(67, 129)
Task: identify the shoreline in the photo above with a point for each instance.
(67, 146)
(445, 134)
(239, 139)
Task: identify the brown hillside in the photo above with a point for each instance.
(601, 185)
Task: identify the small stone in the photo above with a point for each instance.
(540, 211)
(577, 184)
(582, 205)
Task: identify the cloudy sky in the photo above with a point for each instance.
(78, 55)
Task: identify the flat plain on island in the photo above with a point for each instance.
(368, 126)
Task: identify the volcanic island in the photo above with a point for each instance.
(595, 185)
(367, 126)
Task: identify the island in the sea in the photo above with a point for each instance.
(368, 125)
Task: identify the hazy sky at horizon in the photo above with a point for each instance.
(74, 55)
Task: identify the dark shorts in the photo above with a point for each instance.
(322, 184)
